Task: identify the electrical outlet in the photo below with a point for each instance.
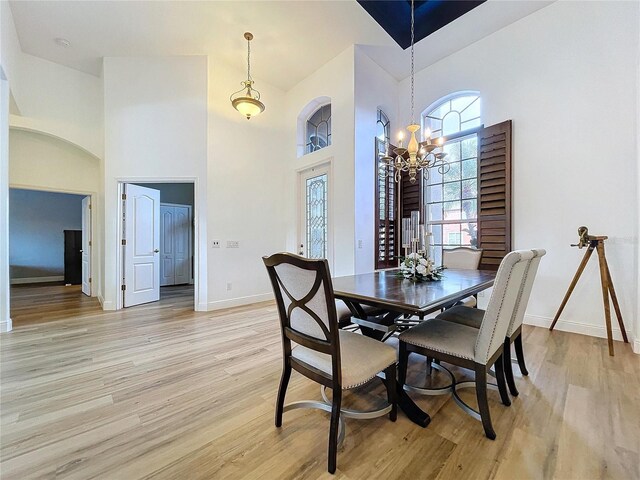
(233, 244)
(215, 243)
(359, 243)
(229, 287)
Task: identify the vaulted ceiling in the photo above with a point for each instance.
(292, 38)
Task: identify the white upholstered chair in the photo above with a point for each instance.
(314, 346)
(473, 317)
(464, 258)
(469, 347)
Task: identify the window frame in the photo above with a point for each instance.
(308, 145)
(425, 205)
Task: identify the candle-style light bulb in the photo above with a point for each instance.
(400, 137)
(441, 141)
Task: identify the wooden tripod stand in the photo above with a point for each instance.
(597, 243)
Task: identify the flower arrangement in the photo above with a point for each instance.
(418, 268)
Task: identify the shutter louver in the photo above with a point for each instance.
(386, 211)
(411, 195)
(494, 194)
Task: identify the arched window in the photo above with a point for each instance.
(383, 128)
(451, 200)
(386, 201)
(318, 130)
(453, 114)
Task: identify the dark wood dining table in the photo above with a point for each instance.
(396, 297)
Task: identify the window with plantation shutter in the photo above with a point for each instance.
(386, 202)
(494, 194)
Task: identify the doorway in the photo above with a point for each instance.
(50, 243)
(314, 225)
(158, 243)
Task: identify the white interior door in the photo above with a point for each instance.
(314, 225)
(182, 244)
(142, 245)
(86, 246)
(167, 256)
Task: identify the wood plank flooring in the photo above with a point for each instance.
(160, 391)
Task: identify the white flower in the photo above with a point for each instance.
(422, 270)
(423, 261)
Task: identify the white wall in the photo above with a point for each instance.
(570, 88)
(155, 117)
(375, 88)
(37, 222)
(335, 79)
(247, 165)
(5, 319)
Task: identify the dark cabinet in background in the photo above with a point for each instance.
(73, 257)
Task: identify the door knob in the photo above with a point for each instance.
(156, 251)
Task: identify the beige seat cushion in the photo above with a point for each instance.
(471, 317)
(361, 357)
(443, 336)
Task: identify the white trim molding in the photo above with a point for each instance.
(581, 328)
(6, 326)
(239, 301)
(22, 281)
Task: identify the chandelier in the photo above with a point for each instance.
(418, 156)
(247, 99)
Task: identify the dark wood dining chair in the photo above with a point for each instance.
(313, 345)
(473, 317)
(472, 348)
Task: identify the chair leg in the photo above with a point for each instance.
(483, 404)
(508, 368)
(282, 391)
(390, 383)
(429, 368)
(403, 360)
(333, 430)
(517, 342)
(502, 386)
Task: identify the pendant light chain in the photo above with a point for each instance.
(412, 68)
(248, 59)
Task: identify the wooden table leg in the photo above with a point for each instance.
(604, 280)
(576, 277)
(616, 306)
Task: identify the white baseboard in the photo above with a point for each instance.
(6, 326)
(107, 305)
(577, 327)
(100, 300)
(202, 307)
(53, 278)
(636, 346)
(237, 302)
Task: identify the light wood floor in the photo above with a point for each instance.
(161, 391)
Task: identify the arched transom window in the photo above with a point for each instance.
(318, 131)
(453, 115)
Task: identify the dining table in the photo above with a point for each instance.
(397, 300)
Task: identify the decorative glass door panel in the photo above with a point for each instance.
(316, 216)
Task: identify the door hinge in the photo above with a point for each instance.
(89, 206)
(89, 242)
(124, 287)
(89, 279)
(124, 242)
(124, 196)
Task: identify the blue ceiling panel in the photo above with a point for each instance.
(430, 15)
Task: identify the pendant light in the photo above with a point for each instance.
(247, 99)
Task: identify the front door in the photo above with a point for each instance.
(314, 239)
(86, 246)
(142, 245)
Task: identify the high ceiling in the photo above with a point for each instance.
(430, 15)
(292, 38)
